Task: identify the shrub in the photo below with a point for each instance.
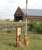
(36, 27)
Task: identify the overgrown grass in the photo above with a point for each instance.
(8, 41)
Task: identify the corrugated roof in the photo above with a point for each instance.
(33, 12)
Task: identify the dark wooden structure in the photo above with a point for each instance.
(18, 14)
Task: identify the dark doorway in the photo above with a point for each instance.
(18, 18)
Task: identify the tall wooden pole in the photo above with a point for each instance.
(26, 16)
(25, 36)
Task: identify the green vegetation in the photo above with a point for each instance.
(8, 37)
(8, 41)
(36, 27)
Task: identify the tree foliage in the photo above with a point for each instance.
(36, 27)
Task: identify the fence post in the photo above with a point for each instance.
(18, 33)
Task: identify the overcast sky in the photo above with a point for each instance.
(8, 7)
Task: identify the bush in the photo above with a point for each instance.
(36, 27)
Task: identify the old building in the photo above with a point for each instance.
(32, 14)
(18, 14)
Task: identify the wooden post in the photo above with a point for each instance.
(26, 40)
(18, 33)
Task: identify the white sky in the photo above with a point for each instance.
(8, 7)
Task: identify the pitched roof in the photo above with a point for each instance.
(19, 11)
(33, 12)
